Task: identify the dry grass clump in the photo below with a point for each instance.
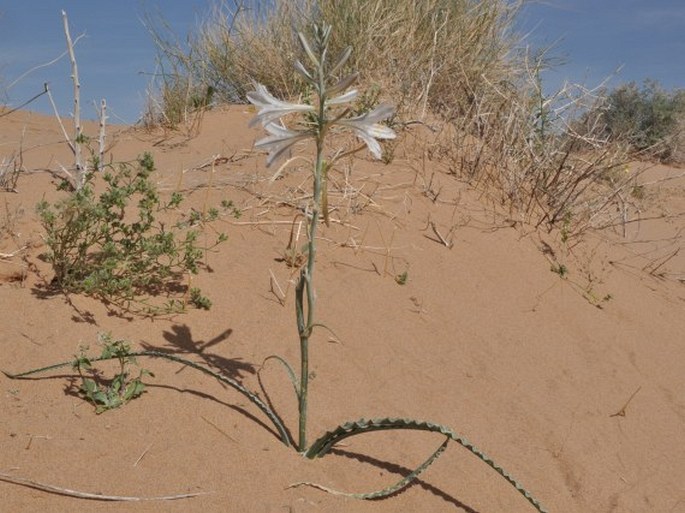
(423, 53)
(459, 62)
(528, 154)
(9, 172)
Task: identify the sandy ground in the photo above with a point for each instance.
(583, 405)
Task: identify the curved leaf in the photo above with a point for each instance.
(329, 439)
(385, 492)
(254, 398)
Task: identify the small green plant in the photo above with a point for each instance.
(230, 207)
(114, 247)
(559, 269)
(595, 300)
(123, 387)
(402, 278)
(198, 300)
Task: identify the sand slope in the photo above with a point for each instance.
(482, 338)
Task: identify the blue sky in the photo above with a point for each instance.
(116, 56)
(646, 38)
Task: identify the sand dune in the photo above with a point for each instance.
(584, 405)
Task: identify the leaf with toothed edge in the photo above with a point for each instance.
(390, 490)
(330, 438)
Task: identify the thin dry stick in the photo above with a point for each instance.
(44, 65)
(80, 175)
(31, 437)
(258, 223)
(91, 496)
(622, 411)
(59, 119)
(13, 253)
(656, 265)
(142, 455)
(219, 429)
(274, 281)
(101, 139)
(446, 243)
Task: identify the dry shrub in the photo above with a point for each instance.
(9, 172)
(458, 61)
(175, 96)
(423, 53)
(526, 152)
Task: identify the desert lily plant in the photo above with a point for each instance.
(317, 120)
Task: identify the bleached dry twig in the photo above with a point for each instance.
(101, 139)
(80, 171)
(90, 496)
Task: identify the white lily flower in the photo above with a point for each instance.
(343, 98)
(271, 108)
(368, 128)
(279, 141)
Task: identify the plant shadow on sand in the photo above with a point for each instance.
(180, 342)
(404, 472)
(48, 289)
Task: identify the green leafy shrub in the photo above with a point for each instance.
(114, 247)
(649, 118)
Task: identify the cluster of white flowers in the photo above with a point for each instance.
(271, 110)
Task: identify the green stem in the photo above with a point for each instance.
(306, 281)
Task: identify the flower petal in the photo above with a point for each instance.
(380, 113)
(371, 143)
(279, 141)
(270, 107)
(367, 128)
(368, 122)
(345, 98)
(380, 131)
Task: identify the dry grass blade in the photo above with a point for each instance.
(91, 496)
